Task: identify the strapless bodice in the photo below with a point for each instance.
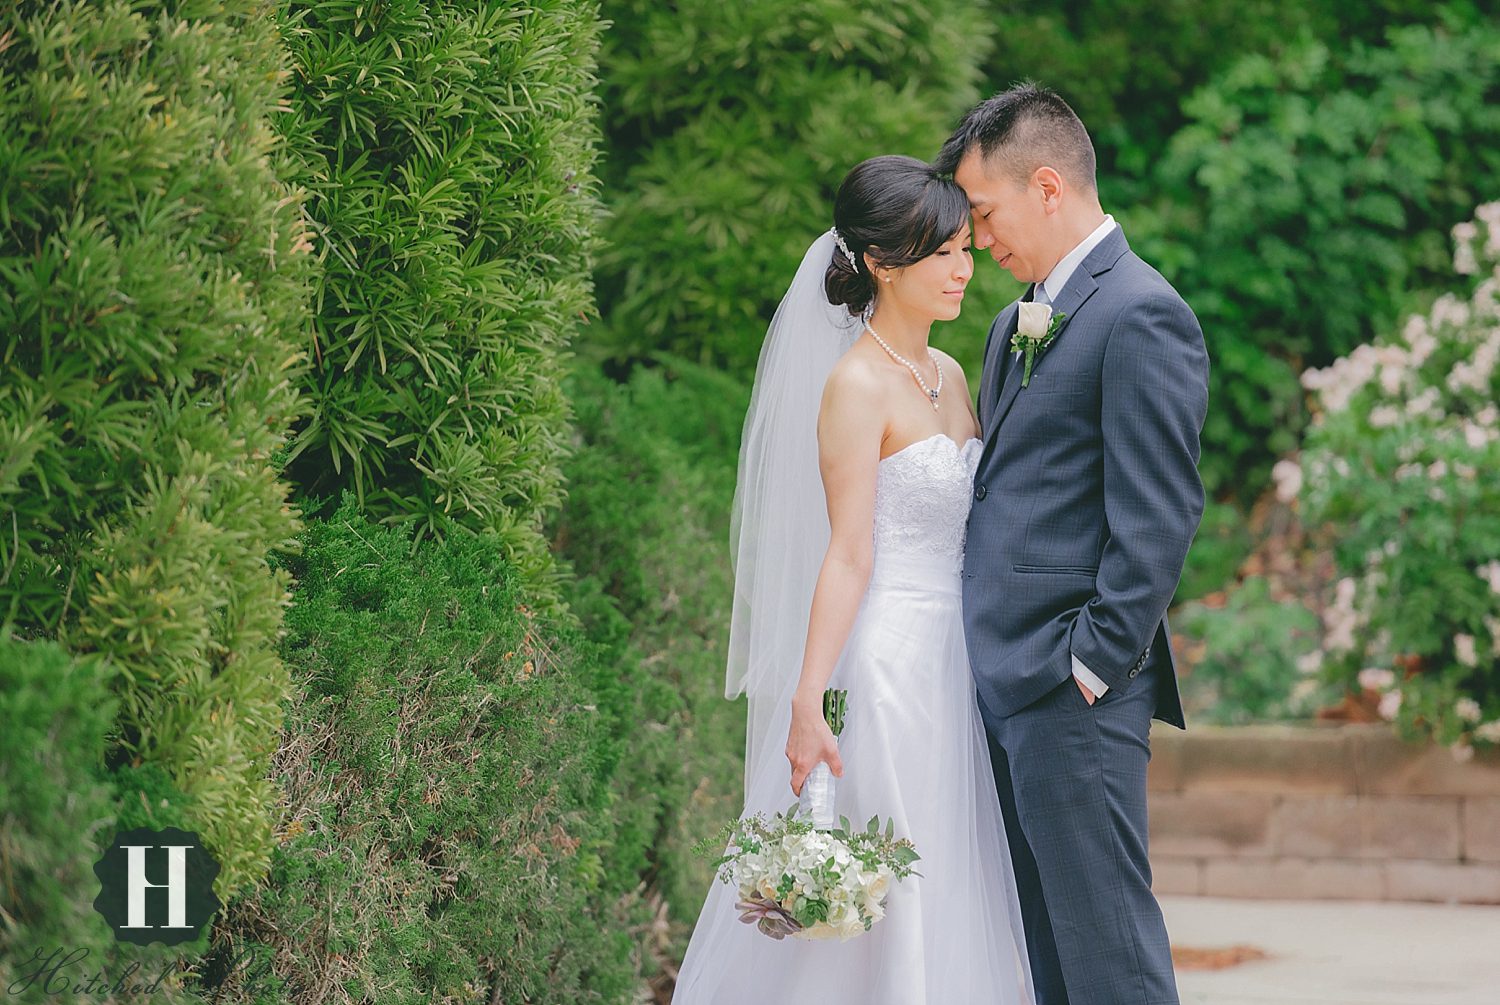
(922, 496)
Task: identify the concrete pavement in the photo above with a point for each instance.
(1340, 952)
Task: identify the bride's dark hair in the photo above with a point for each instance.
(899, 210)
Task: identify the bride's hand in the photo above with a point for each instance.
(808, 742)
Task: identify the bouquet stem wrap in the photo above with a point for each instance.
(816, 800)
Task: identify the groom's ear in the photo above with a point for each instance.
(1049, 183)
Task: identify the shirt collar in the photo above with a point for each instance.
(1064, 269)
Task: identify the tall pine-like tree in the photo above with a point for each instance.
(153, 291)
(447, 148)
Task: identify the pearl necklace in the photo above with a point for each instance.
(932, 392)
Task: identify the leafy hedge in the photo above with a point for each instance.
(447, 149)
(447, 826)
(153, 283)
(58, 713)
(728, 128)
(1310, 200)
(1127, 68)
(646, 531)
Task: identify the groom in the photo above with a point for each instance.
(1085, 501)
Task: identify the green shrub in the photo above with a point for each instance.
(153, 285)
(1223, 542)
(646, 531)
(58, 713)
(729, 127)
(445, 772)
(61, 809)
(1309, 199)
(1253, 658)
(1400, 460)
(447, 148)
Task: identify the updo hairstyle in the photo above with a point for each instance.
(899, 210)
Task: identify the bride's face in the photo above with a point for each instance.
(934, 286)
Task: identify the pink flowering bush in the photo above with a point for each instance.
(1403, 461)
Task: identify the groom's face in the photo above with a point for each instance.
(1010, 219)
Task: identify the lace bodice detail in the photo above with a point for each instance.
(922, 496)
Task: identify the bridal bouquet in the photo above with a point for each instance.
(797, 880)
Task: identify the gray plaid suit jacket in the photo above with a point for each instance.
(1087, 493)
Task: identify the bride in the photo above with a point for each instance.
(856, 472)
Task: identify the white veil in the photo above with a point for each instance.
(779, 525)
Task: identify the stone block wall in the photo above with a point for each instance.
(1321, 812)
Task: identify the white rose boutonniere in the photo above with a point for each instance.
(1035, 329)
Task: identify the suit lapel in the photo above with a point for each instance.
(995, 364)
(1082, 285)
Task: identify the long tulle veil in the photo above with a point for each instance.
(779, 524)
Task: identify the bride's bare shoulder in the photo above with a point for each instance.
(858, 374)
(856, 389)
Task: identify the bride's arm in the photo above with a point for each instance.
(849, 438)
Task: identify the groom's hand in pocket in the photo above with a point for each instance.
(1088, 695)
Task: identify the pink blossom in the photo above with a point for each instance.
(1465, 262)
(1390, 704)
(1287, 474)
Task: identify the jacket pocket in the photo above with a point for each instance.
(1057, 570)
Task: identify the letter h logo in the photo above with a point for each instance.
(156, 886)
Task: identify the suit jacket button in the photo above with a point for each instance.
(980, 492)
(1135, 671)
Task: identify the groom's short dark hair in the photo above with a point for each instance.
(1020, 130)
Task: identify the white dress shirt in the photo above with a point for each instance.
(1052, 286)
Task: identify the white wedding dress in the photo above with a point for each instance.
(913, 748)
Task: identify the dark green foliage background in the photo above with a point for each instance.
(728, 128)
(1307, 203)
(646, 529)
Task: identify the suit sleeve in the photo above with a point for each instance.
(1153, 401)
